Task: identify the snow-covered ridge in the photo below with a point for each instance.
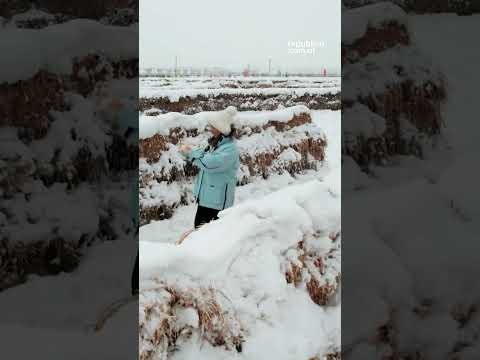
(375, 73)
(357, 21)
(202, 82)
(176, 94)
(32, 14)
(210, 250)
(25, 52)
(388, 74)
(279, 144)
(195, 94)
(163, 123)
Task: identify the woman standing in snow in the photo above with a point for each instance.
(218, 163)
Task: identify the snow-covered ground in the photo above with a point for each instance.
(417, 222)
(329, 121)
(245, 255)
(174, 88)
(57, 314)
(52, 316)
(203, 82)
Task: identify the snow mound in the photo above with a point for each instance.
(363, 122)
(393, 104)
(53, 48)
(163, 123)
(172, 313)
(263, 261)
(379, 72)
(358, 20)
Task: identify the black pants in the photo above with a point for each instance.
(205, 215)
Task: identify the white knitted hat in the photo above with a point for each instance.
(222, 120)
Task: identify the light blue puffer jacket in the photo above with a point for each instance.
(215, 183)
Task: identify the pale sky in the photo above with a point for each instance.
(233, 34)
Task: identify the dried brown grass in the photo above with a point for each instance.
(194, 104)
(264, 85)
(151, 148)
(420, 105)
(330, 356)
(261, 164)
(296, 120)
(14, 175)
(320, 294)
(27, 103)
(216, 324)
(376, 40)
(17, 259)
(160, 212)
(308, 270)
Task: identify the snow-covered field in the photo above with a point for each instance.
(57, 314)
(73, 225)
(246, 256)
(419, 226)
(174, 88)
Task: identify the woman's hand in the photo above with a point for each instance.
(185, 149)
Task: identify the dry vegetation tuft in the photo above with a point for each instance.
(211, 319)
(314, 271)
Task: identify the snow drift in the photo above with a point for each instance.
(54, 47)
(390, 80)
(420, 225)
(234, 282)
(58, 148)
